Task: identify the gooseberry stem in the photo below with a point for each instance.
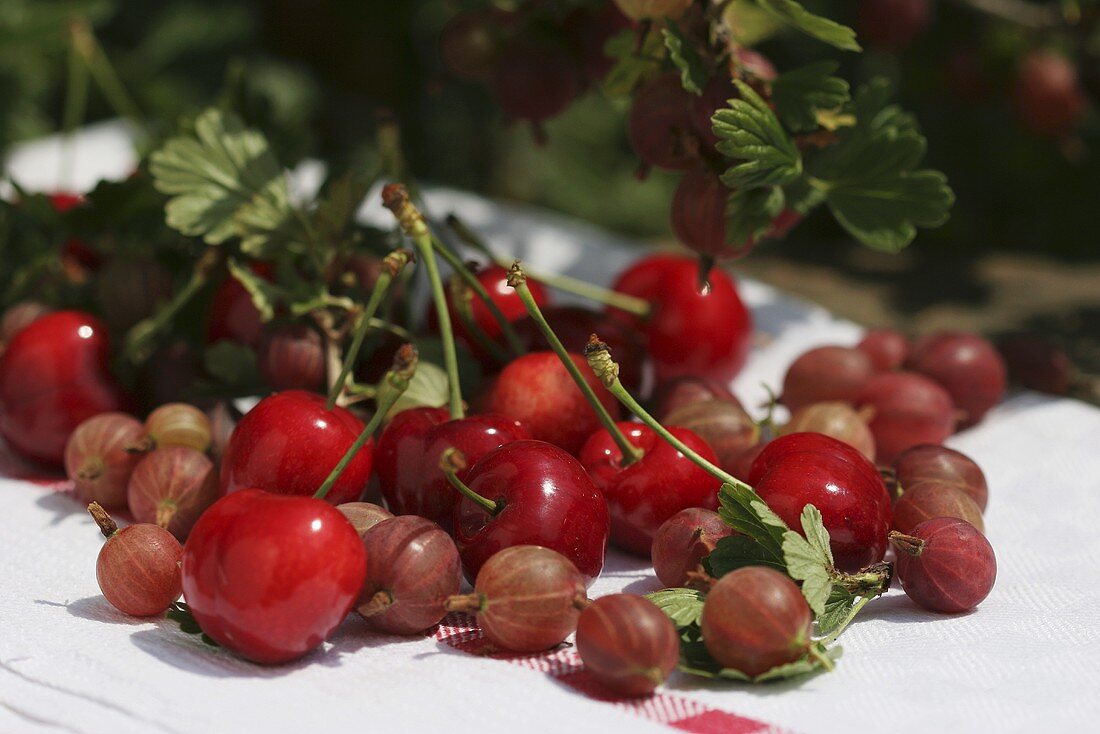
(589, 291)
(450, 463)
(518, 280)
(395, 197)
(392, 265)
(906, 543)
(466, 603)
(605, 368)
(106, 525)
(390, 388)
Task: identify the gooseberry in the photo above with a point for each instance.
(138, 568)
(945, 565)
(101, 455)
(172, 487)
(627, 643)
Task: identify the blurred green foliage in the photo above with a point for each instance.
(314, 74)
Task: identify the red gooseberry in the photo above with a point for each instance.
(627, 643)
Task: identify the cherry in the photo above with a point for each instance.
(53, 376)
(945, 565)
(270, 576)
(968, 366)
(1037, 364)
(407, 457)
(802, 469)
(838, 420)
(101, 455)
(627, 643)
(129, 289)
(528, 492)
(412, 569)
(683, 541)
(292, 357)
(755, 619)
(908, 410)
(723, 425)
(930, 501)
(1047, 94)
(179, 424)
(536, 390)
(233, 315)
(364, 515)
(925, 465)
(653, 9)
(892, 24)
(643, 494)
(534, 81)
(706, 332)
(660, 124)
(826, 374)
(64, 201)
(526, 598)
(887, 348)
(138, 568)
(289, 442)
(172, 487)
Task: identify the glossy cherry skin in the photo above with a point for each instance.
(233, 316)
(545, 498)
(798, 470)
(290, 442)
(537, 390)
(53, 376)
(692, 331)
(269, 576)
(643, 495)
(407, 457)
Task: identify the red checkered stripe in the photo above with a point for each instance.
(462, 633)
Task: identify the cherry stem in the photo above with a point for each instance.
(463, 271)
(106, 525)
(832, 636)
(906, 543)
(450, 463)
(380, 602)
(605, 368)
(467, 603)
(392, 265)
(395, 197)
(566, 284)
(518, 280)
(390, 388)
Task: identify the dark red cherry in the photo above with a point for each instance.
(407, 457)
(702, 331)
(968, 366)
(660, 127)
(543, 496)
(290, 442)
(643, 495)
(269, 576)
(233, 316)
(802, 469)
(907, 410)
(54, 376)
(536, 390)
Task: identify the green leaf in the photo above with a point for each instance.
(342, 198)
(683, 606)
(748, 130)
(681, 52)
(749, 214)
(224, 183)
(265, 295)
(802, 197)
(749, 25)
(794, 15)
(231, 363)
(427, 388)
(837, 609)
(632, 65)
(799, 94)
(743, 510)
(809, 559)
(696, 661)
(180, 613)
(737, 551)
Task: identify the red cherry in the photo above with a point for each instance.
(643, 495)
(54, 376)
(892, 24)
(660, 124)
(802, 469)
(543, 497)
(968, 366)
(233, 316)
(908, 410)
(706, 332)
(1047, 94)
(63, 201)
(887, 348)
(271, 576)
(408, 455)
(536, 390)
(290, 442)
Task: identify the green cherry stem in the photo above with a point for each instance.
(518, 280)
(451, 463)
(391, 387)
(392, 265)
(605, 368)
(622, 301)
(395, 197)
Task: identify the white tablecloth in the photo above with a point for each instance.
(1027, 659)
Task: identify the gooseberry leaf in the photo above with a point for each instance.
(799, 95)
(737, 551)
(794, 15)
(231, 363)
(265, 295)
(743, 510)
(180, 613)
(749, 214)
(836, 611)
(685, 57)
(748, 130)
(633, 65)
(747, 24)
(683, 606)
(809, 559)
(695, 660)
